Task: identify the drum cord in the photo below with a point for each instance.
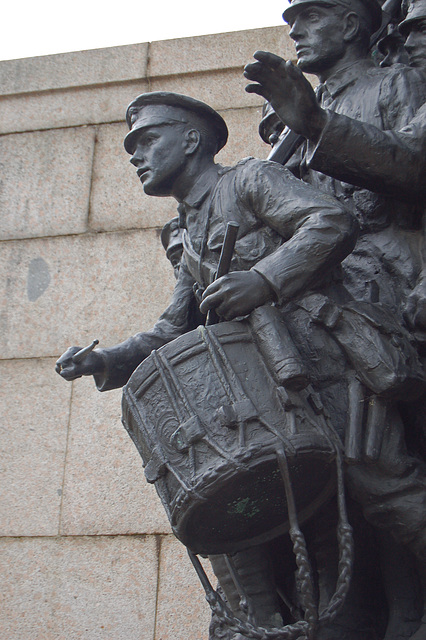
(247, 629)
(304, 629)
(344, 536)
(346, 554)
(304, 583)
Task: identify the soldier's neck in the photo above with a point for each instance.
(194, 170)
(349, 59)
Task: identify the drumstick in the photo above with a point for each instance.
(375, 428)
(227, 249)
(224, 262)
(80, 355)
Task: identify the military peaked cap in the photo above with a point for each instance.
(171, 235)
(161, 107)
(372, 6)
(416, 11)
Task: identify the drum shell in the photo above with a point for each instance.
(207, 414)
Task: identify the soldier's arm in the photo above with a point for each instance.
(318, 233)
(389, 162)
(285, 87)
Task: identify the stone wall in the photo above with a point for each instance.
(86, 551)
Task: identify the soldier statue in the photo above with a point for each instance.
(290, 242)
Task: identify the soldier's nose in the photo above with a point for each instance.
(135, 160)
(294, 32)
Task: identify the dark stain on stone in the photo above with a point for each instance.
(38, 278)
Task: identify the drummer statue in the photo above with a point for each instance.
(244, 398)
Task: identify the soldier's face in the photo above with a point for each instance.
(317, 33)
(416, 44)
(395, 53)
(175, 256)
(160, 158)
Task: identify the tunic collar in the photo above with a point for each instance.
(202, 187)
(347, 76)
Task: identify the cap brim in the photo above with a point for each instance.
(294, 8)
(143, 123)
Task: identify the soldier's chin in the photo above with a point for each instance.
(306, 65)
(148, 186)
(154, 190)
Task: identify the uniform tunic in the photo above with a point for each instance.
(387, 259)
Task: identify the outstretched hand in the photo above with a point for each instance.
(70, 370)
(286, 88)
(236, 294)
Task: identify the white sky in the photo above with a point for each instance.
(41, 27)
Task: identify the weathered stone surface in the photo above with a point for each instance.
(45, 183)
(130, 62)
(33, 436)
(105, 491)
(221, 89)
(94, 87)
(182, 610)
(98, 105)
(244, 139)
(78, 588)
(62, 291)
(68, 108)
(218, 51)
(75, 69)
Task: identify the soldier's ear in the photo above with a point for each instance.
(192, 141)
(351, 26)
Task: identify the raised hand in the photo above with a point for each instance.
(288, 91)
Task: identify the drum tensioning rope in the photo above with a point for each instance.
(303, 629)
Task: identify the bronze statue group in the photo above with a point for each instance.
(327, 282)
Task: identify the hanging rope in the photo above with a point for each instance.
(304, 629)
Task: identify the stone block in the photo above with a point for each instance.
(220, 89)
(118, 200)
(35, 406)
(182, 610)
(75, 69)
(95, 87)
(105, 491)
(46, 182)
(78, 588)
(63, 291)
(130, 62)
(244, 139)
(68, 107)
(218, 51)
